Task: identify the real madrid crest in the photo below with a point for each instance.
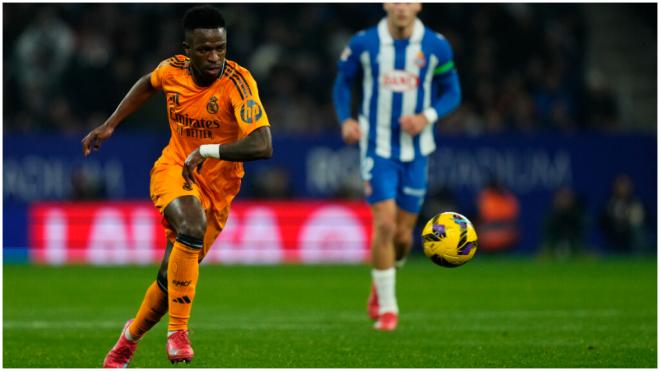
(212, 105)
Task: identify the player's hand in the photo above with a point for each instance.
(93, 140)
(413, 124)
(350, 131)
(193, 162)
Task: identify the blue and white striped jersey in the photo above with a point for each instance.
(400, 77)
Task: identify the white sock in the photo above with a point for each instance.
(385, 280)
(129, 337)
(400, 263)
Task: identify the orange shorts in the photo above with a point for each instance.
(167, 185)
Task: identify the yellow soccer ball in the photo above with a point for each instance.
(449, 239)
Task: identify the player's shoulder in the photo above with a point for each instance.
(175, 62)
(235, 71)
(172, 69)
(362, 38)
(435, 37)
(239, 78)
(232, 67)
(356, 44)
(437, 40)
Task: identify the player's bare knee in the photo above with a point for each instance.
(191, 234)
(194, 230)
(385, 228)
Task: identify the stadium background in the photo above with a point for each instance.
(548, 92)
(559, 100)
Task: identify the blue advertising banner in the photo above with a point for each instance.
(48, 167)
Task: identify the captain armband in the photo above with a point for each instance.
(210, 150)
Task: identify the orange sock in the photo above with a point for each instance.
(153, 307)
(182, 275)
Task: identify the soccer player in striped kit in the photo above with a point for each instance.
(409, 81)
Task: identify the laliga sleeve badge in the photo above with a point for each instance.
(345, 54)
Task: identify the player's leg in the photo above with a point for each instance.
(384, 230)
(187, 217)
(383, 256)
(403, 239)
(154, 305)
(166, 185)
(387, 257)
(381, 190)
(153, 308)
(410, 191)
(409, 201)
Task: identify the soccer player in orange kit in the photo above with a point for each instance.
(214, 113)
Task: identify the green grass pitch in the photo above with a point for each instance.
(488, 313)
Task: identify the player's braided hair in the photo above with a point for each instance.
(202, 16)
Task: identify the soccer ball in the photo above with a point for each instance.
(449, 239)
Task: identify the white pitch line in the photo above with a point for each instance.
(306, 321)
(77, 325)
(257, 326)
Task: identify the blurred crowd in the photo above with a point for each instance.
(521, 66)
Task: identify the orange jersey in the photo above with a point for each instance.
(224, 112)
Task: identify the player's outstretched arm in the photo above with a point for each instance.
(258, 145)
(141, 91)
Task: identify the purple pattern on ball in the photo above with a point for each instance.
(439, 230)
(459, 220)
(465, 250)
